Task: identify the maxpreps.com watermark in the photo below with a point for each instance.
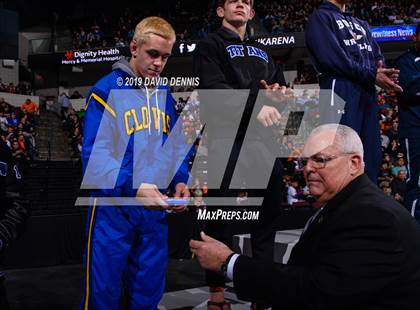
(219, 214)
(164, 81)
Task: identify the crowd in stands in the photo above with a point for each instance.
(387, 11)
(393, 171)
(72, 125)
(21, 88)
(90, 38)
(285, 16)
(18, 130)
(72, 122)
(291, 15)
(196, 21)
(113, 31)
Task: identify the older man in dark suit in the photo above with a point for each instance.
(361, 250)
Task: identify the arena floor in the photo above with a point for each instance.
(59, 288)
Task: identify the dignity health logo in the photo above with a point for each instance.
(91, 56)
(69, 55)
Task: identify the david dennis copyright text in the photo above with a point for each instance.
(158, 81)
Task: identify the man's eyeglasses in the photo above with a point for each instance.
(319, 161)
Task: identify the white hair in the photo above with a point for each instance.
(346, 140)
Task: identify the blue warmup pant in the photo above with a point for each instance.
(360, 113)
(411, 143)
(126, 247)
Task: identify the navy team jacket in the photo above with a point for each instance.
(342, 46)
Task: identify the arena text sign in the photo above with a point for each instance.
(280, 40)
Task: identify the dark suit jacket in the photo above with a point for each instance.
(362, 252)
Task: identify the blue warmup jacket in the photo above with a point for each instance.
(124, 131)
(114, 116)
(409, 125)
(345, 55)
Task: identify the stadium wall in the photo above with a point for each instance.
(17, 100)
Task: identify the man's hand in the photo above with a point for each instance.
(151, 198)
(393, 73)
(210, 252)
(181, 191)
(273, 87)
(275, 92)
(388, 79)
(268, 116)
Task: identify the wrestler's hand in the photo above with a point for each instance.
(393, 74)
(151, 198)
(268, 116)
(274, 92)
(273, 87)
(181, 191)
(388, 79)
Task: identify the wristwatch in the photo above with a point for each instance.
(224, 267)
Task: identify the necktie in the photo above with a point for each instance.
(311, 219)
